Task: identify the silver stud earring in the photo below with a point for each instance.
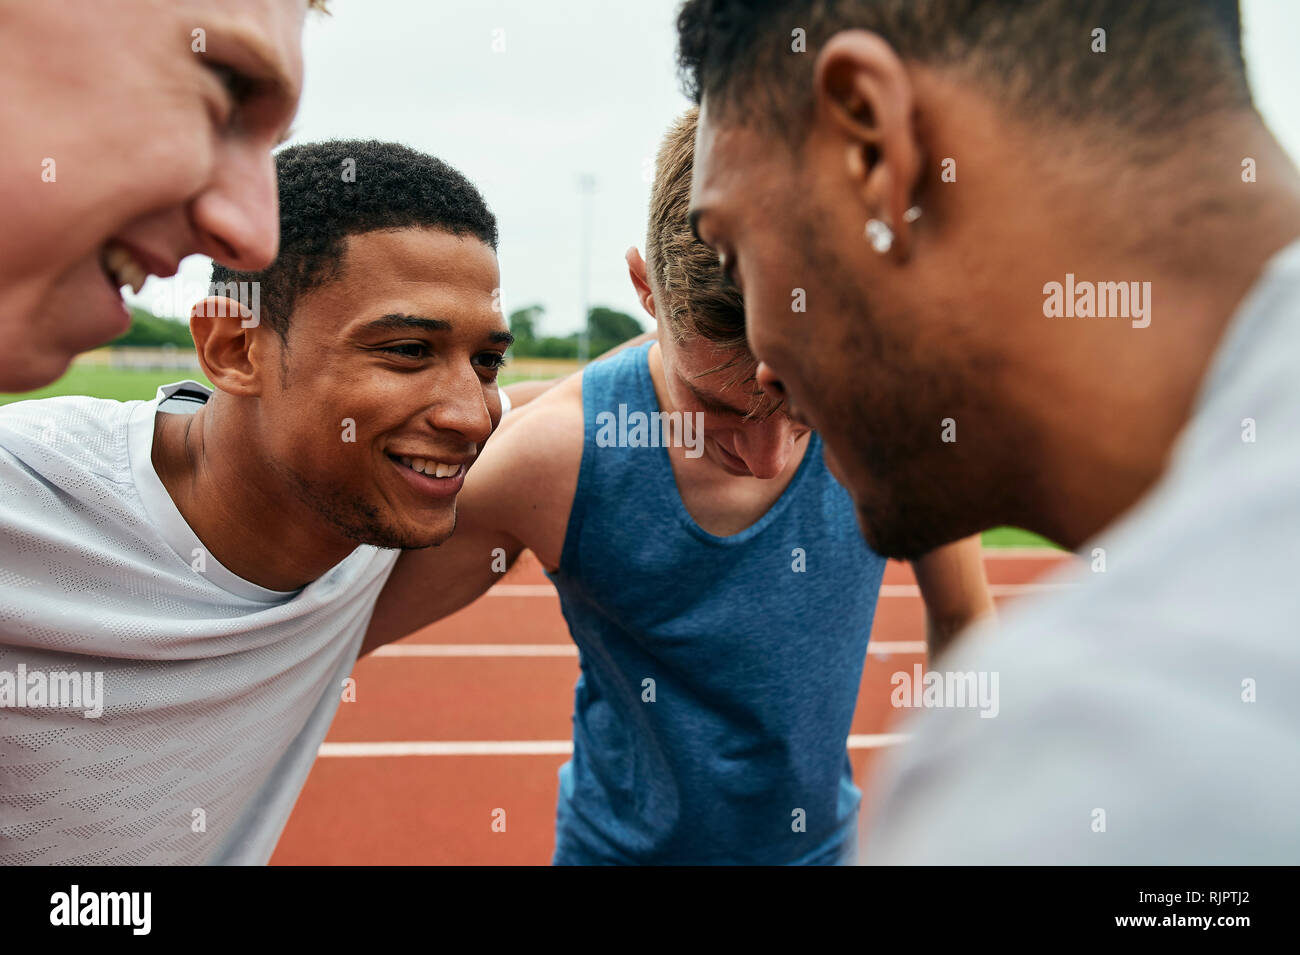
(881, 236)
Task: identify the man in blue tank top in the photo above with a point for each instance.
(710, 570)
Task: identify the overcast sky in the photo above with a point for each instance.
(581, 86)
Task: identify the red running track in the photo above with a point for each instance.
(464, 724)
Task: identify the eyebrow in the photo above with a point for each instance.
(400, 322)
(713, 403)
(397, 322)
(253, 58)
(245, 53)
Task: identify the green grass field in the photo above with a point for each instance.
(1015, 537)
(104, 382)
(100, 381)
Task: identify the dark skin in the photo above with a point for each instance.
(950, 321)
(405, 344)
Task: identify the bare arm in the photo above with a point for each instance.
(517, 494)
(955, 589)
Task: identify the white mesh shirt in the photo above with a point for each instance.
(216, 693)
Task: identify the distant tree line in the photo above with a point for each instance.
(148, 330)
(606, 329)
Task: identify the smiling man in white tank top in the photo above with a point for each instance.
(186, 581)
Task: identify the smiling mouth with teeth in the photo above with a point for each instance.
(122, 268)
(429, 468)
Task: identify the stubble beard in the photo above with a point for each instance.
(353, 518)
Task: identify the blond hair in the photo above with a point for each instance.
(691, 295)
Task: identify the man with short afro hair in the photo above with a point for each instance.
(331, 190)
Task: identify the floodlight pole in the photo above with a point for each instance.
(587, 188)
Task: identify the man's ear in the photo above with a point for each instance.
(865, 100)
(636, 270)
(230, 344)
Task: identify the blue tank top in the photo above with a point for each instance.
(719, 675)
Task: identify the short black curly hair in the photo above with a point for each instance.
(1167, 61)
(343, 187)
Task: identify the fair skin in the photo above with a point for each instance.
(153, 158)
(520, 492)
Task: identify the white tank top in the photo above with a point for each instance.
(215, 693)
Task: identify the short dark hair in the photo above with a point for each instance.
(332, 190)
(1167, 61)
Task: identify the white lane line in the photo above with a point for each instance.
(526, 747)
(477, 650)
(883, 648)
(886, 590)
(875, 740)
(878, 648)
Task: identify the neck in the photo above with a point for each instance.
(1103, 401)
(236, 502)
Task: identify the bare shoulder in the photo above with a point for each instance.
(544, 438)
(528, 471)
(551, 419)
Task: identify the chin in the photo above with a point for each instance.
(392, 530)
(433, 530)
(868, 532)
(931, 527)
(889, 540)
(35, 370)
(427, 538)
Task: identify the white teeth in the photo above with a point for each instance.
(431, 468)
(124, 268)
